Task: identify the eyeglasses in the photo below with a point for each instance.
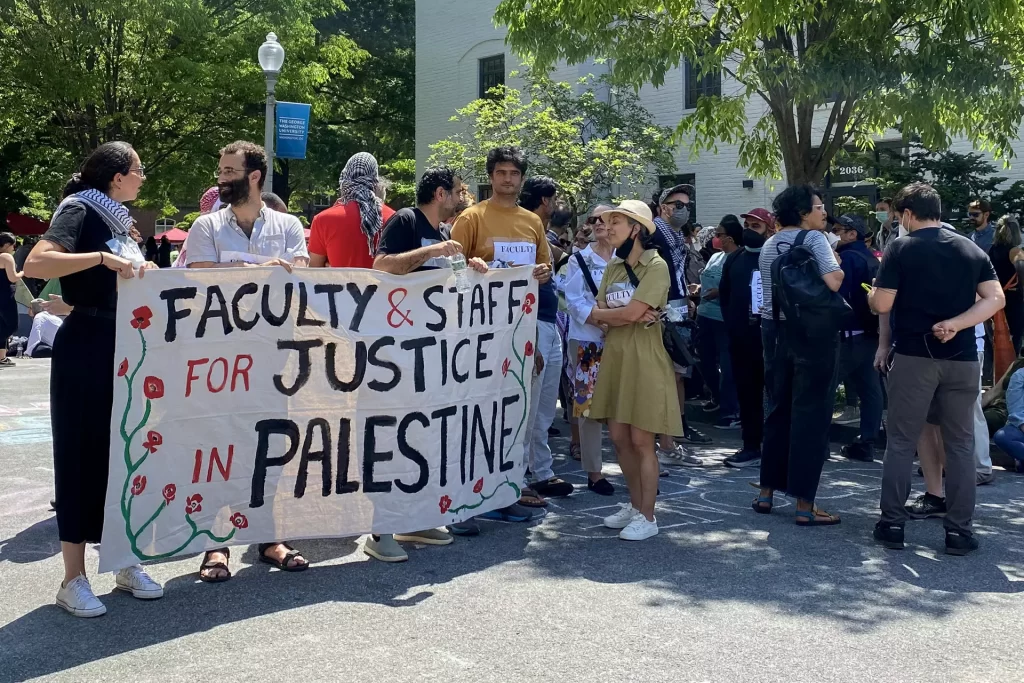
(594, 220)
(140, 171)
(677, 204)
(974, 214)
(819, 207)
(228, 172)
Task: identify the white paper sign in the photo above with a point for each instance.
(756, 293)
(519, 253)
(253, 405)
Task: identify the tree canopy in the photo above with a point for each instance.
(590, 140)
(178, 79)
(828, 72)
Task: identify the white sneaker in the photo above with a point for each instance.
(622, 518)
(639, 529)
(78, 599)
(136, 581)
(679, 457)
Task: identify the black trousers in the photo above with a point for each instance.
(801, 376)
(747, 354)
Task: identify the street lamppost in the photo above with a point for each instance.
(271, 56)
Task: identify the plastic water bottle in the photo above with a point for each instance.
(458, 263)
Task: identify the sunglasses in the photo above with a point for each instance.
(974, 214)
(677, 204)
(594, 220)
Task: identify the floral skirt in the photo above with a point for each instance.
(584, 375)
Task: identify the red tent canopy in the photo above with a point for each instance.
(174, 235)
(26, 225)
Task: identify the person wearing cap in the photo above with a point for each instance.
(740, 293)
(635, 391)
(859, 337)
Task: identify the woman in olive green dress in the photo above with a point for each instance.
(635, 391)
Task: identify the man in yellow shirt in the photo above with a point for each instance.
(504, 234)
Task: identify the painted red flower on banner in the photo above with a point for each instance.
(122, 369)
(528, 303)
(141, 317)
(479, 485)
(504, 367)
(153, 387)
(153, 439)
(529, 349)
(193, 504)
(138, 485)
(239, 521)
(169, 492)
(446, 504)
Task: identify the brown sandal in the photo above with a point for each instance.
(207, 565)
(531, 499)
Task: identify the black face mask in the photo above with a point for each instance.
(752, 239)
(235, 192)
(624, 249)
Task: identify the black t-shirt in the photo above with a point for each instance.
(407, 231)
(936, 274)
(80, 230)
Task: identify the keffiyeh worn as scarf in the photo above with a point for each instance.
(357, 184)
(705, 236)
(116, 217)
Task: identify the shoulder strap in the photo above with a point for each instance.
(586, 273)
(800, 238)
(633, 279)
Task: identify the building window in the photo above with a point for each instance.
(164, 224)
(698, 86)
(492, 73)
(483, 192)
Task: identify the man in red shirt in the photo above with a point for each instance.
(346, 235)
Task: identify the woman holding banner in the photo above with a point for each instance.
(88, 247)
(635, 389)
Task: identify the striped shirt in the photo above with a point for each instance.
(815, 241)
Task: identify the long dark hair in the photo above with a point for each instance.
(98, 171)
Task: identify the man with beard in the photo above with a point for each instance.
(979, 216)
(248, 233)
(504, 234)
(741, 296)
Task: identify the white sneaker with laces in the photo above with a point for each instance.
(640, 529)
(136, 581)
(679, 457)
(622, 518)
(78, 599)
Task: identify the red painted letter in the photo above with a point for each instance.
(191, 374)
(209, 376)
(199, 466)
(225, 472)
(239, 370)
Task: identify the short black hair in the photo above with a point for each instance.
(536, 189)
(981, 205)
(678, 189)
(506, 153)
(7, 238)
(793, 203)
(920, 199)
(254, 155)
(433, 178)
(733, 228)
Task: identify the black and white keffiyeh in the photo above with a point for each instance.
(357, 183)
(114, 214)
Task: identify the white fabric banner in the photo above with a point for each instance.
(253, 405)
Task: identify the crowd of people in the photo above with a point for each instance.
(770, 311)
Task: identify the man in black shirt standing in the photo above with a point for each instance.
(938, 285)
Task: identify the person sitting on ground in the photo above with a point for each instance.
(1011, 437)
(635, 389)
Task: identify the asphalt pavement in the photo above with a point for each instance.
(722, 594)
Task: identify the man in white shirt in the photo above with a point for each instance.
(246, 233)
(44, 329)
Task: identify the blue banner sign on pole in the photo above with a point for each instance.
(292, 130)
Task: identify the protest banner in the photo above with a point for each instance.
(253, 405)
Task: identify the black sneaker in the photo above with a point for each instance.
(467, 528)
(958, 543)
(691, 435)
(890, 535)
(553, 487)
(859, 451)
(709, 406)
(601, 487)
(927, 505)
(743, 458)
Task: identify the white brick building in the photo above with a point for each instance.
(459, 53)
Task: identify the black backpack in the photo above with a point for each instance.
(799, 292)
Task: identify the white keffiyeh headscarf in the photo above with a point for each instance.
(357, 183)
